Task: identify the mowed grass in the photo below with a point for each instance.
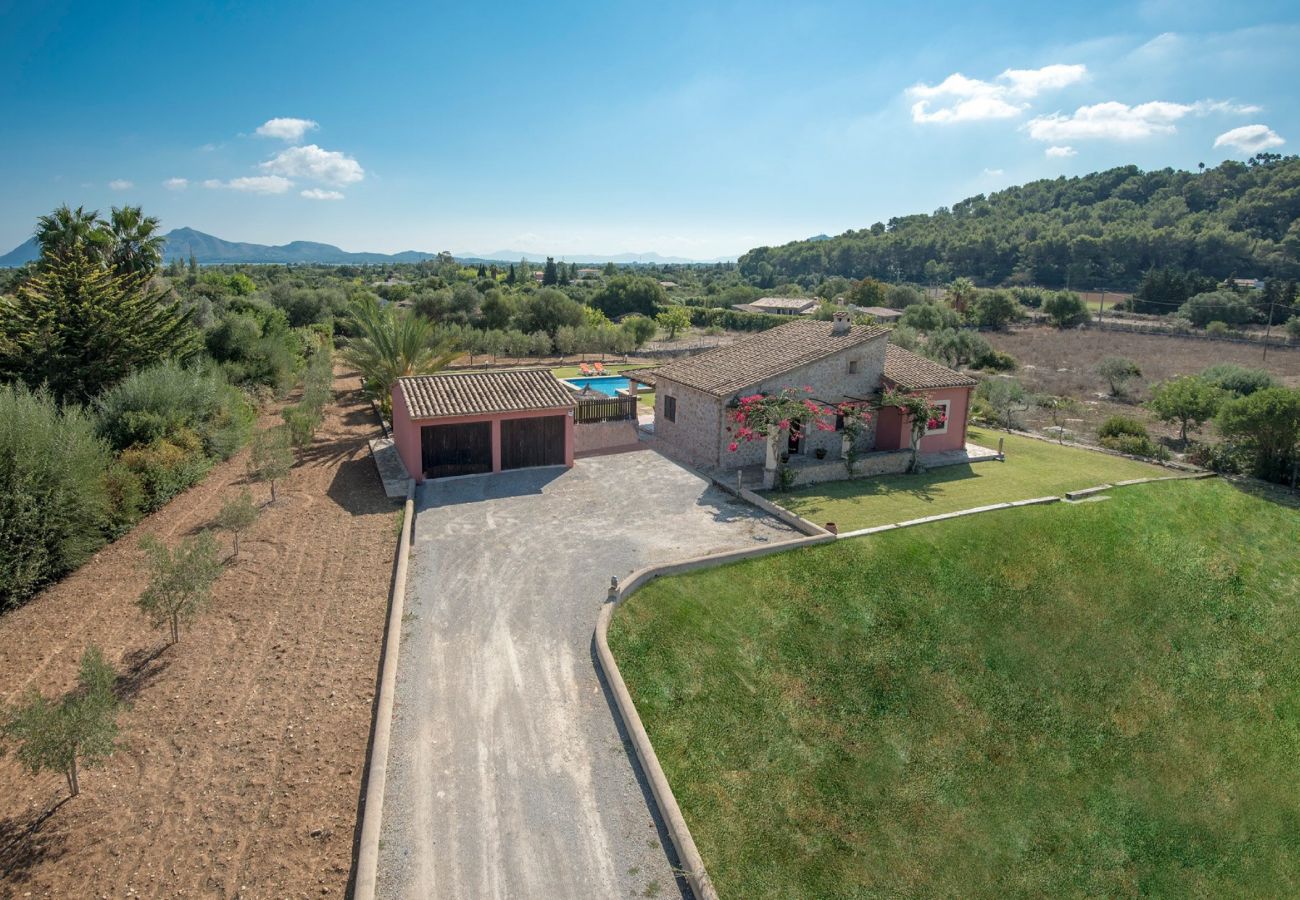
(1032, 469)
(1064, 701)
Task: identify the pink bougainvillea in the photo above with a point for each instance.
(759, 416)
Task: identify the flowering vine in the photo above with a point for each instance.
(922, 412)
(761, 417)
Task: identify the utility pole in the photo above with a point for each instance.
(1268, 328)
(1101, 305)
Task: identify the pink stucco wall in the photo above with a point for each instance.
(894, 433)
(406, 431)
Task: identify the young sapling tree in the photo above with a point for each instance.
(77, 730)
(237, 514)
(271, 456)
(180, 581)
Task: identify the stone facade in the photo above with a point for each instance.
(595, 437)
(699, 434)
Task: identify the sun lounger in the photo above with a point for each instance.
(600, 370)
(584, 368)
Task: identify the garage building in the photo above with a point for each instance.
(472, 423)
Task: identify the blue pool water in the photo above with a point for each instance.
(609, 385)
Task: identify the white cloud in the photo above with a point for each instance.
(1059, 152)
(328, 166)
(1113, 120)
(254, 184)
(961, 99)
(121, 184)
(318, 194)
(1032, 82)
(1250, 139)
(994, 173)
(290, 130)
(176, 184)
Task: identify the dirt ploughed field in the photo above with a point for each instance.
(1065, 363)
(242, 752)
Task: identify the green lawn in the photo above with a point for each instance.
(1061, 701)
(1032, 469)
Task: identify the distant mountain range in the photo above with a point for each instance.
(587, 259)
(209, 250)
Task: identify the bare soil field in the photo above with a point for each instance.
(1064, 363)
(243, 748)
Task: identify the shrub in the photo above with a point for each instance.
(165, 468)
(1117, 426)
(1065, 309)
(1266, 428)
(158, 403)
(996, 361)
(1222, 458)
(54, 504)
(1237, 379)
(1293, 328)
(1221, 306)
(928, 317)
(1135, 445)
(1118, 372)
(905, 336)
(1217, 329)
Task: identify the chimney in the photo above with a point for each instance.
(840, 323)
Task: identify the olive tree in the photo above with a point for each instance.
(78, 729)
(1118, 372)
(1190, 401)
(237, 514)
(180, 582)
(271, 456)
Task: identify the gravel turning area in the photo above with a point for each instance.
(509, 775)
(243, 749)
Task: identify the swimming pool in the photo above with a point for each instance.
(609, 385)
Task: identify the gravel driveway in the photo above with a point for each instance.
(508, 775)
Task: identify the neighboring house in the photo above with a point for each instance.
(472, 423)
(1250, 284)
(836, 360)
(782, 306)
(882, 314)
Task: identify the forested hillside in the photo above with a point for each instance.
(1104, 229)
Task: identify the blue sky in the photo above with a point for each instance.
(692, 129)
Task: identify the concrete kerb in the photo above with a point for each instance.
(371, 817)
(941, 517)
(687, 853)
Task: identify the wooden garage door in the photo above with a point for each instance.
(537, 441)
(456, 449)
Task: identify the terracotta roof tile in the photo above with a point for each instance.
(471, 393)
(747, 362)
(913, 371)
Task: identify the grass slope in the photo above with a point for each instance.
(1100, 699)
(1032, 469)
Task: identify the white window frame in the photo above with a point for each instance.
(947, 417)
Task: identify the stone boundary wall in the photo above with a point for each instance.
(593, 437)
(367, 872)
(867, 465)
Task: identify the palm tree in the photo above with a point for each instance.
(962, 291)
(137, 246)
(392, 343)
(65, 228)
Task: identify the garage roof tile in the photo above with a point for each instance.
(473, 393)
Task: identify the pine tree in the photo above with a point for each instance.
(549, 274)
(78, 328)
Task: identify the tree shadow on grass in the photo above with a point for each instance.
(1262, 490)
(25, 845)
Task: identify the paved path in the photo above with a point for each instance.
(509, 776)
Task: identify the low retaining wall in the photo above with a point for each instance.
(875, 529)
(867, 465)
(593, 437)
(373, 800)
(688, 855)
